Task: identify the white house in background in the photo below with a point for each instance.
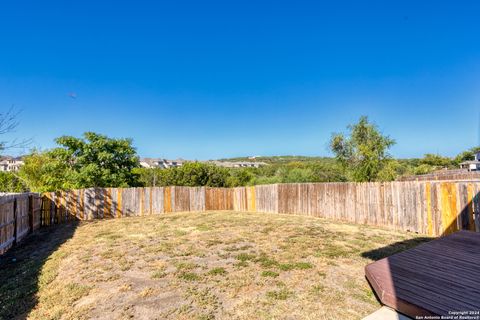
(238, 164)
(165, 163)
(10, 163)
(161, 163)
(472, 165)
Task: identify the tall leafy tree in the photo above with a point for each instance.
(363, 152)
(94, 160)
(43, 172)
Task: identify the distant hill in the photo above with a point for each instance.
(282, 159)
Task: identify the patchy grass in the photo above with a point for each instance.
(158, 274)
(217, 271)
(245, 257)
(196, 266)
(189, 276)
(269, 273)
(282, 294)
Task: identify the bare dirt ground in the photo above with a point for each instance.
(214, 265)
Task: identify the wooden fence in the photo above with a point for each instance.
(19, 214)
(100, 203)
(428, 207)
(432, 208)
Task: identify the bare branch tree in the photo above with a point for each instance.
(8, 123)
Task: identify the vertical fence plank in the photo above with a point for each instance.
(476, 206)
(119, 212)
(470, 196)
(7, 223)
(167, 199)
(107, 196)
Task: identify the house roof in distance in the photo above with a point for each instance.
(470, 162)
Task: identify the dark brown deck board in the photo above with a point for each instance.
(432, 279)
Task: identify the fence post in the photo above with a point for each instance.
(56, 219)
(42, 206)
(14, 220)
(30, 212)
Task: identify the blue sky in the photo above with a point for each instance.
(212, 79)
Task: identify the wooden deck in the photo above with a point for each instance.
(434, 278)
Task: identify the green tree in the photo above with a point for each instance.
(466, 155)
(92, 161)
(148, 177)
(423, 169)
(240, 177)
(42, 172)
(299, 175)
(437, 161)
(364, 152)
(189, 174)
(391, 170)
(10, 182)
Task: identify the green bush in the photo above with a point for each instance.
(10, 182)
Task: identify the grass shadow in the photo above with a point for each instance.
(397, 247)
(21, 267)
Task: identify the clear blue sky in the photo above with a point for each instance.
(211, 79)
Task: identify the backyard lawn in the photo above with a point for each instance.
(212, 265)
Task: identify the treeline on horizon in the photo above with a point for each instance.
(290, 169)
(96, 160)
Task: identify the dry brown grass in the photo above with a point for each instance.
(211, 265)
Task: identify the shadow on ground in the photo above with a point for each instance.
(20, 269)
(397, 247)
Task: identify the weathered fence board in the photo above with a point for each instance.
(35, 211)
(19, 214)
(240, 199)
(197, 199)
(265, 198)
(22, 207)
(428, 207)
(218, 199)
(7, 223)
